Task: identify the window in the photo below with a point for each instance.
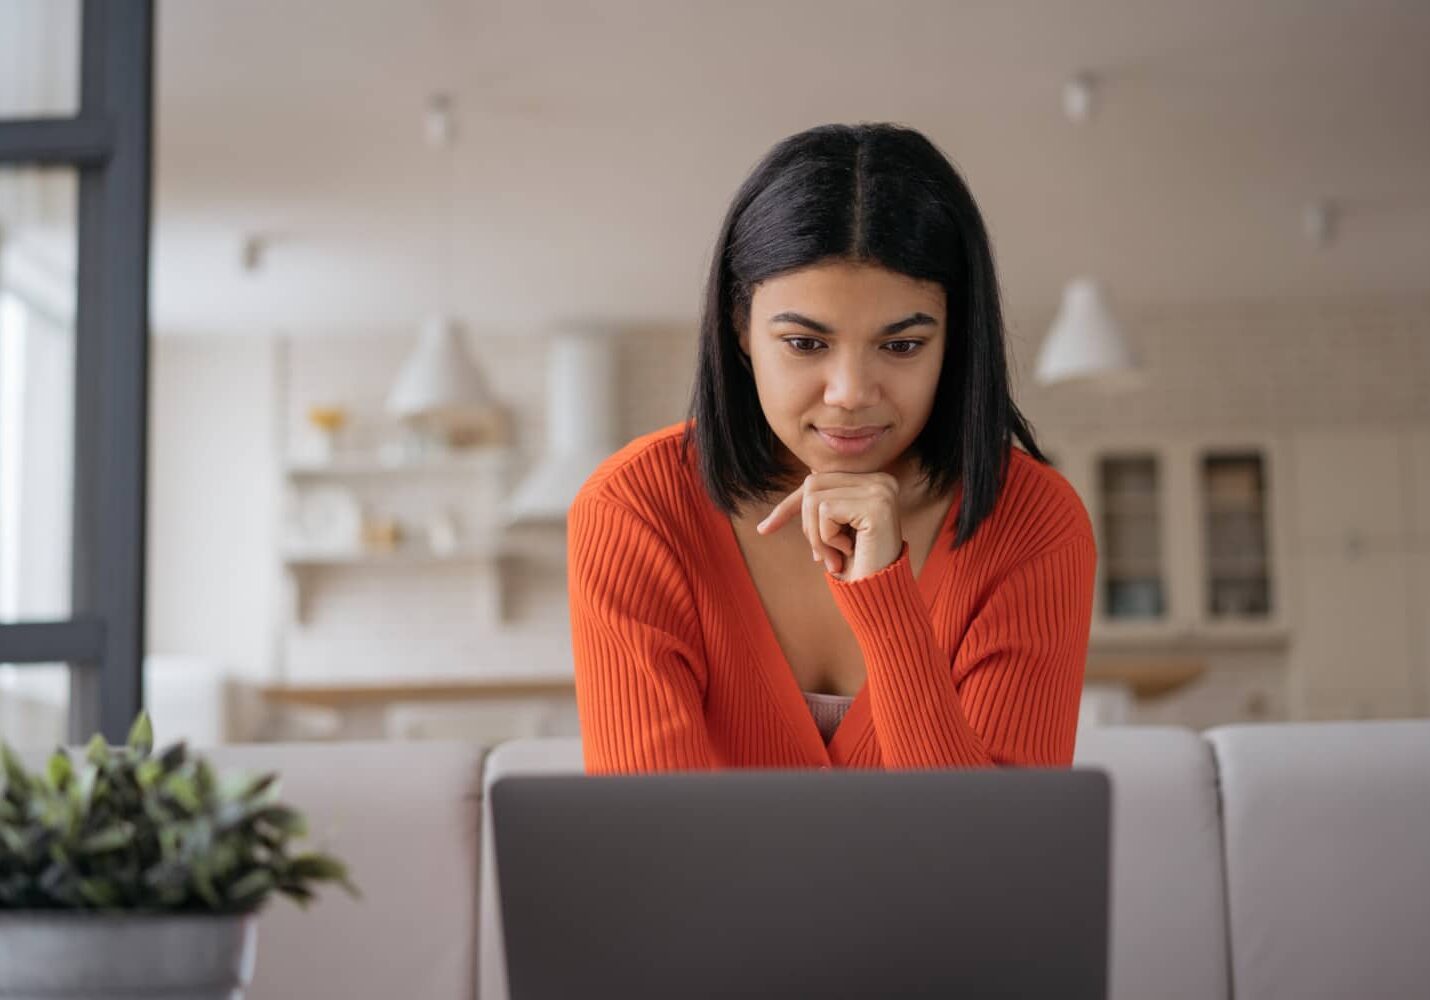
(73, 392)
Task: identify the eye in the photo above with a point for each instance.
(796, 342)
(912, 345)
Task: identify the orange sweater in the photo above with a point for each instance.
(977, 662)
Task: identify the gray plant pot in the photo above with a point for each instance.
(89, 956)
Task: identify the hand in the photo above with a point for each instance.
(850, 518)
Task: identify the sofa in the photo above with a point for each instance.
(1250, 861)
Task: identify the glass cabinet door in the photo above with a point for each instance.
(1133, 574)
(1237, 557)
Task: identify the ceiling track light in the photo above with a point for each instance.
(1318, 222)
(1080, 98)
(437, 121)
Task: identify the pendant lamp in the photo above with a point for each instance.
(1086, 343)
(439, 386)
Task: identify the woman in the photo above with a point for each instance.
(851, 401)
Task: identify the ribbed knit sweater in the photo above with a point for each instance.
(977, 662)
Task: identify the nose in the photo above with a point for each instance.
(852, 383)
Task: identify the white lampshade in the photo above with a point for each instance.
(439, 379)
(1086, 343)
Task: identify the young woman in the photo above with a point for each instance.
(840, 559)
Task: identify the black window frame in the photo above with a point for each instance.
(109, 144)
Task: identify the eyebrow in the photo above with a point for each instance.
(917, 319)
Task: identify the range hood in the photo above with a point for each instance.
(580, 425)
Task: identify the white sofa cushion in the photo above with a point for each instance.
(1327, 829)
(1168, 929)
(404, 816)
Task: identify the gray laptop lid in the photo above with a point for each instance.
(821, 884)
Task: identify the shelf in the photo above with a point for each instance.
(397, 557)
(1231, 633)
(486, 460)
(303, 570)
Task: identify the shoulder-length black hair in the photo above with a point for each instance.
(875, 193)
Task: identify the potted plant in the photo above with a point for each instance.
(132, 873)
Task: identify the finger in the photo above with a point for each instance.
(833, 531)
(781, 513)
(822, 551)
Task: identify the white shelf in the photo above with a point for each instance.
(485, 460)
(414, 556)
(303, 570)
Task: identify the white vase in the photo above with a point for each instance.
(100, 956)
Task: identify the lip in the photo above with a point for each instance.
(850, 440)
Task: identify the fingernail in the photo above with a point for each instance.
(814, 555)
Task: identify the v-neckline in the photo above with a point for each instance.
(775, 668)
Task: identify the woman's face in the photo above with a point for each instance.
(842, 347)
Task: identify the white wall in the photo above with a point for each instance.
(212, 490)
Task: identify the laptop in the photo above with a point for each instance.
(793, 884)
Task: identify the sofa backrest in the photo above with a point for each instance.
(1327, 830)
(1168, 924)
(1168, 932)
(526, 756)
(406, 819)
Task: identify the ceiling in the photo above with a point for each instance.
(598, 145)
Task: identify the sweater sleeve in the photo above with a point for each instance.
(639, 660)
(1011, 693)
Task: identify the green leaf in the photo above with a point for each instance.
(99, 892)
(325, 868)
(98, 750)
(141, 734)
(181, 789)
(283, 819)
(121, 835)
(256, 883)
(204, 780)
(204, 886)
(15, 772)
(299, 894)
(83, 790)
(147, 773)
(15, 841)
(259, 785)
(173, 758)
(61, 771)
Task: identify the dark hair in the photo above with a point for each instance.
(870, 193)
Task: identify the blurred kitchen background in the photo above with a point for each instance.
(418, 265)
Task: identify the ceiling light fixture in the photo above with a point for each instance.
(1318, 222)
(1086, 343)
(1080, 98)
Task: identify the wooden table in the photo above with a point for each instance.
(1146, 678)
(363, 707)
